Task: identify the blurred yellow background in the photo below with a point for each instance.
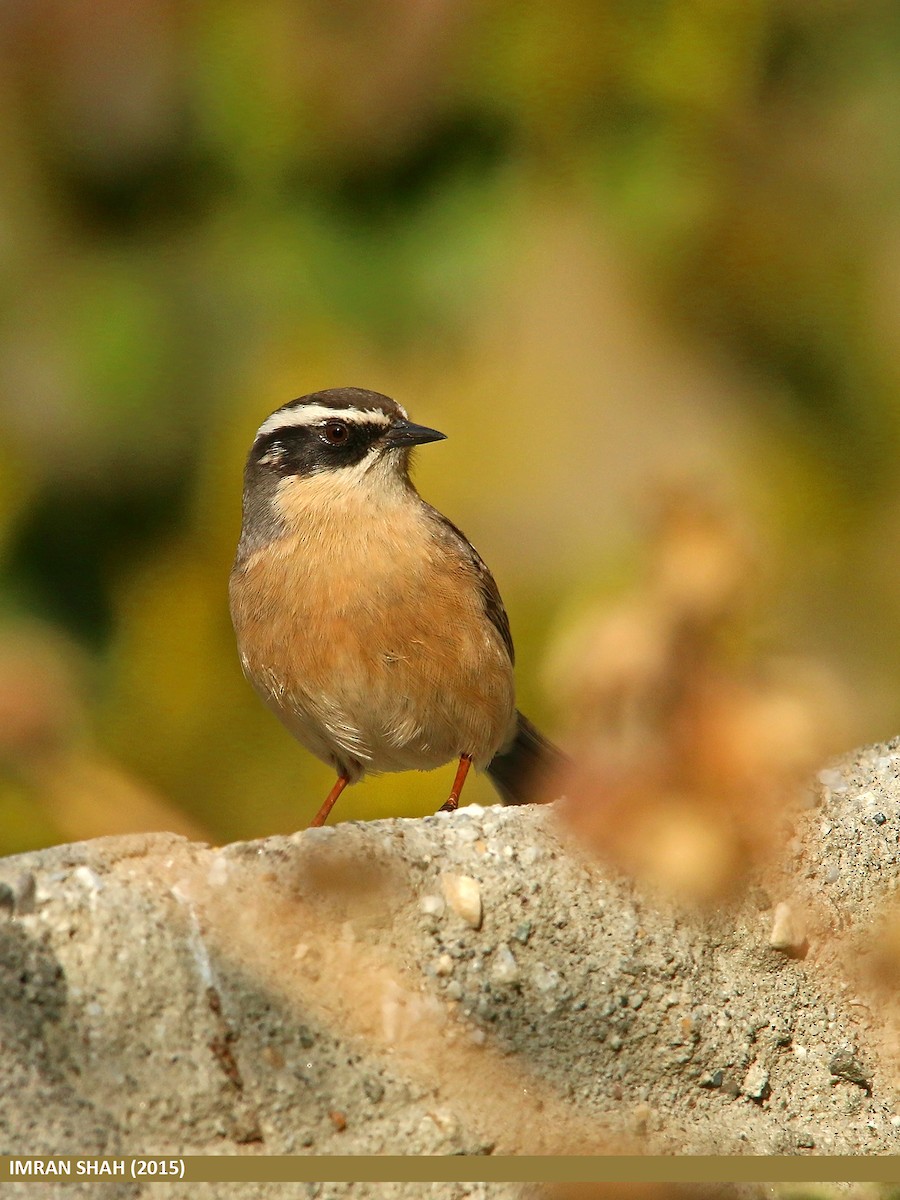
(608, 247)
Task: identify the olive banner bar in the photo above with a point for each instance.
(454, 1168)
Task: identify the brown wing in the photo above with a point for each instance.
(490, 593)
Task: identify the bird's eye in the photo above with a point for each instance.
(337, 433)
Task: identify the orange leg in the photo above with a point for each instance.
(451, 804)
(322, 815)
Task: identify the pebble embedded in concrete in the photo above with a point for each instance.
(756, 1082)
(788, 930)
(545, 979)
(463, 895)
(832, 779)
(504, 968)
(845, 1065)
(432, 906)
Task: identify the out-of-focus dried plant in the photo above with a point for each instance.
(45, 744)
(39, 684)
(881, 965)
(870, 958)
(687, 754)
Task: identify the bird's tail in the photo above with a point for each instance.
(521, 773)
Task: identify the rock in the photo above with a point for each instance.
(788, 931)
(711, 1080)
(157, 992)
(545, 978)
(832, 778)
(463, 895)
(504, 968)
(845, 1065)
(432, 906)
(756, 1082)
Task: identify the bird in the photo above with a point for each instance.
(364, 618)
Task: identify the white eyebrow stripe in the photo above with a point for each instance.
(312, 414)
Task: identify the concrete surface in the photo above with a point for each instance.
(342, 992)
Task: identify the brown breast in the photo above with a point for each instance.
(363, 617)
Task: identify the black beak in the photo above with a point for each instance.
(404, 433)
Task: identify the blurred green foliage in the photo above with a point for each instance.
(600, 244)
